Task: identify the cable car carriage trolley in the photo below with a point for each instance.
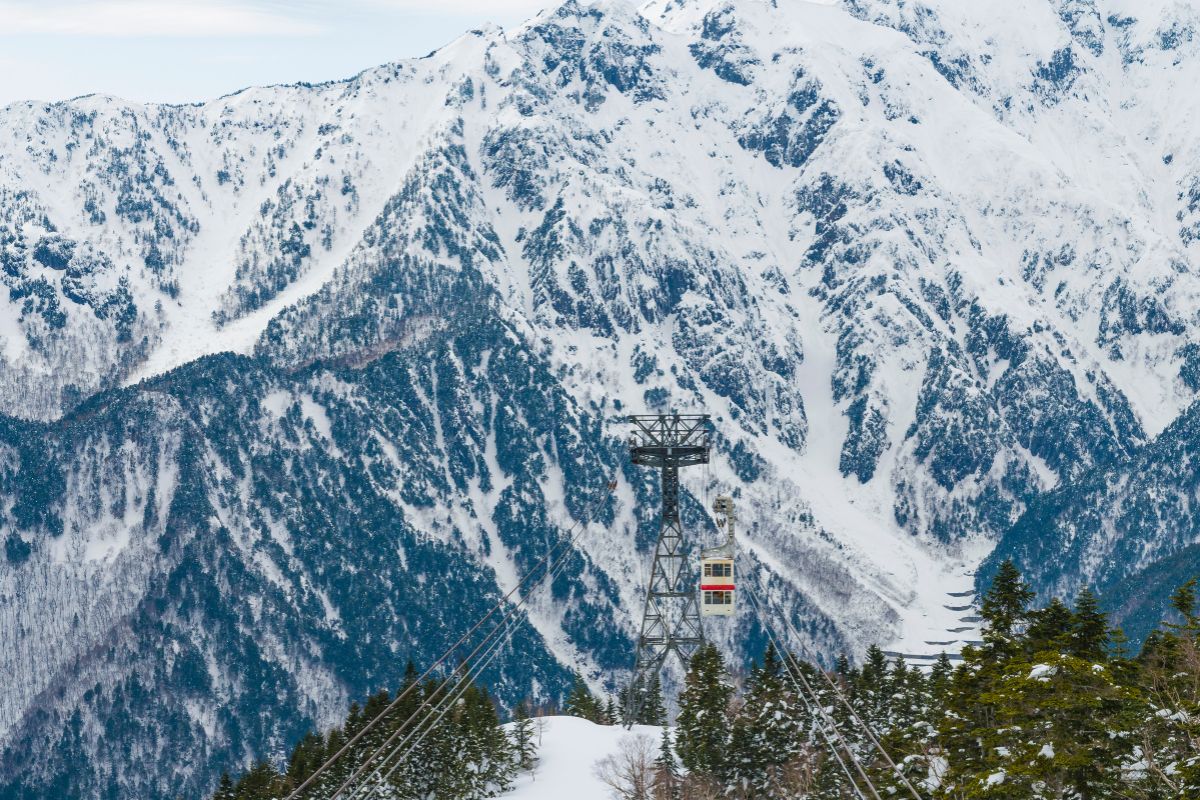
(716, 565)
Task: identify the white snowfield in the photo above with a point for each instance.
(568, 752)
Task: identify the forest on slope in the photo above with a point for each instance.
(1051, 705)
(931, 266)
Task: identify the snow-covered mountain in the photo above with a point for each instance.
(930, 265)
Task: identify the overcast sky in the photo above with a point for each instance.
(189, 50)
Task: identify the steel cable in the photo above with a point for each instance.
(565, 547)
(449, 701)
(811, 702)
(562, 545)
(866, 729)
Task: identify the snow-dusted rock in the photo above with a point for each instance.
(930, 266)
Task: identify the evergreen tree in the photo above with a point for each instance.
(972, 701)
(524, 748)
(484, 763)
(225, 788)
(666, 770)
(380, 730)
(402, 721)
(1003, 607)
(909, 734)
(423, 773)
(1039, 714)
(466, 755)
(1047, 708)
(702, 730)
(872, 688)
(609, 716)
(1090, 634)
(1184, 601)
(580, 701)
(654, 710)
(940, 676)
(307, 756)
(766, 735)
(354, 720)
(842, 666)
(1049, 628)
(905, 696)
(262, 782)
(337, 772)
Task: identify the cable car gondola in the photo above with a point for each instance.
(716, 566)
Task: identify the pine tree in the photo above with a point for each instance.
(872, 688)
(609, 716)
(940, 676)
(262, 782)
(1184, 601)
(909, 732)
(1003, 607)
(666, 770)
(1048, 708)
(225, 788)
(307, 756)
(1041, 713)
(580, 701)
(974, 700)
(766, 735)
(654, 710)
(1090, 634)
(1049, 628)
(483, 760)
(337, 772)
(522, 735)
(465, 755)
(423, 773)
(354, 720)
(382, 727)
(842, 666)
(903, 690)
(402, 721)
(648, 695)
(702, 732)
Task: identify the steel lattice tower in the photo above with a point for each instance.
(671, 618)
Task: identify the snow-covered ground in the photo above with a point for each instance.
(569, 748)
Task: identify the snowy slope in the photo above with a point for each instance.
(568, 751)
(926, 263)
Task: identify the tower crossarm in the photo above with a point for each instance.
(678, 440)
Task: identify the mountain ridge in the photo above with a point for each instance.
(927, 280)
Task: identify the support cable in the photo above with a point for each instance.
(870, 735)
(573, 534)
(487, 642)
(433, 714)
(811, 702)
(449, 701)
(857, 719)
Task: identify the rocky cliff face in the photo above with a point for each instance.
(291, 374)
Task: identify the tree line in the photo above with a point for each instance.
(1052, 704)
(467, 755)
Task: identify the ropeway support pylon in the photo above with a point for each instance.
(671, 616)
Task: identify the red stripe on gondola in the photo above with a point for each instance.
(717, 587)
